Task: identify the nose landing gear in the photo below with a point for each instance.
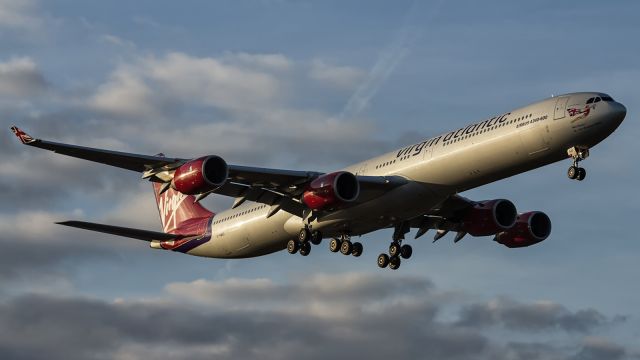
(578, 154)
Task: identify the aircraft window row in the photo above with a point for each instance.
(596, 99)
(486, 129)
(385, 164)
(239, 214)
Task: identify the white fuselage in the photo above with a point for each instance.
(523, 139)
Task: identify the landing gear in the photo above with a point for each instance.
(345, 246)
(396, 249)
(306, 237)
(578, 154)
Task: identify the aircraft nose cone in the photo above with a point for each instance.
(619, 111)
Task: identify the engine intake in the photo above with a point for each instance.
(200, 175)
(331, 190)
(530, 228)
(490, 217)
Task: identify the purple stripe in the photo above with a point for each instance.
(195, 242)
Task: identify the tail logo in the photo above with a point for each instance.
(168, 204)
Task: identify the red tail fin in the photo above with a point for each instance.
(176, 207)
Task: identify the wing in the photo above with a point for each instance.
(123, 231)
(279, 188)
(444, 217)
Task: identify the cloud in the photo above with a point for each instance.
(364, 316)
(537, 316)
(18, 14)
(596, 348)
(20, 77)
(342, 77)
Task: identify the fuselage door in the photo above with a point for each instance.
(561, 108)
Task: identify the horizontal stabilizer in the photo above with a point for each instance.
(123, 231)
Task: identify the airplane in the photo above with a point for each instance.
(416, 187)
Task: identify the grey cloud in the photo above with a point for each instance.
(20, 77)
(397, 321)
(537, 316)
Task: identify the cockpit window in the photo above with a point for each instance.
(590, 100)
(597, 100)
(607, 98)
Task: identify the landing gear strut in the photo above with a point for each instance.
(578, 154)
(396, 249)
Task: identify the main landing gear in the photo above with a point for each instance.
(306, 237)
(345, 246)
(396, 250)
(578, 154)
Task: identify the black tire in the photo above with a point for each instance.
(305, 249)
(394, 263)
(334, 245)
(394, 249)
(406, 251)
(292, 246)
(346, 247)
(316, 237)
(582, 173)
(304, 235)
(383, 260)
(356, 249)
(572, 173)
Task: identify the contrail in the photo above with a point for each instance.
(388, 60)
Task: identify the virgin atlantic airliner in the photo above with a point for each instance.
(415, 187)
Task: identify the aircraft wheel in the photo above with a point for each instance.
(406, 251)
(394, 263)
(316, 237)
(304, 235)
(394, 249)
(292, 246)
(356, 249)
(383, 260)
(573, 172)
(305, 249)
(582, 173)
(346, 247)
(334, 245)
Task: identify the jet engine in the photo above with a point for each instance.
(530, 228)
(200, 175)
(331, 190)
(490, 217)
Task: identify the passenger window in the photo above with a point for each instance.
(590, 101)
(597, 100)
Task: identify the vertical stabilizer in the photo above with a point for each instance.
(176, 207)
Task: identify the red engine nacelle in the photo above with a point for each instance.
(200, 175)
(490, 217)
(330, 190)
(530, 228)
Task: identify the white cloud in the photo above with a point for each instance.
(345, 77)
(20, 77)
(276, 62)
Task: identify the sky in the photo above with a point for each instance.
(308, 85)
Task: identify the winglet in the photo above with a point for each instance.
(23, 136)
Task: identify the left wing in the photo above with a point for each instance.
(276, 187)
